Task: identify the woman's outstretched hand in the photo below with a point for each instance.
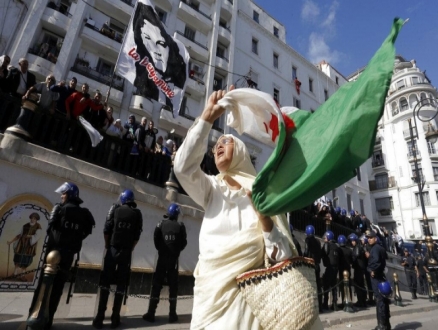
(213, 111)
(267, 223)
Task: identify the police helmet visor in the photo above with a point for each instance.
(62, 189)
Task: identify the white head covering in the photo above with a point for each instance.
(242, 171)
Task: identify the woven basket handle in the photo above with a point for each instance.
(267, 262)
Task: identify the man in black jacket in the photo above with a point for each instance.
(312, 250)
(359, 266)
(20, 80)
(376, 267)
(170, 239)
(69, 225)
(123, 227)
(330, 254)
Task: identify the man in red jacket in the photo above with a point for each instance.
(77, 102)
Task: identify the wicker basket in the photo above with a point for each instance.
(283, 296)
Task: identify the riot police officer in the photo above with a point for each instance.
(376, 266)
(123, 226)
(69, 225)
(170, 239)
(422, 279)
(330, 254)
(359, 266)
(367, 248)
(345, 261)
(411, 271)
(312, 250)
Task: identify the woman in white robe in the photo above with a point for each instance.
(233, 237)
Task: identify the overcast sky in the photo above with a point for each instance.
(346, 33)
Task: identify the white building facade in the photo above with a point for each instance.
(229, 41)
(391, 170)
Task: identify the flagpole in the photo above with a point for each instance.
(118, 56)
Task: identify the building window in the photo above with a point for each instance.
(297, 103)
(335, 200)
(378, 158)
(182, 109)
(362, 208)
(310, 85)
(411, 148)
(326, 96)
(161, 14)
(276, 95)
(349, 205)
(426, 199)
(337, 80)
(404, 104)
(431, 148)
(275, 60)
(189, 33)
(435, 171)
(253, 80)
(276, 31)
(400, 84)
(358, 174)
(255, 46)
(294, 73)
(381, 181)
(220, 51)
(415, 80)
(384, 205)
(255, 16)
(217, 83)
(394, 108)
(414, 173)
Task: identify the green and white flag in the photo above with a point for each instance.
(328, 145)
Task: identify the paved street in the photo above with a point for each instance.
(13, 312)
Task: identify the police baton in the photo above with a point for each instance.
(73, 273)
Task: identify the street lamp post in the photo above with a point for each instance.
(431, 137)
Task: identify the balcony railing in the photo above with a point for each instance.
(407, 133)
(411, 154)
(129, 2)
(118, 82)
(60, 9)
(188, 3)
(108, 32)
(222, 57)
(191, 38)
(50, 55)
(68, 137)
(382, 184)
(378, 162)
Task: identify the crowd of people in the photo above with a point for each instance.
(63, 100)
(358, 223)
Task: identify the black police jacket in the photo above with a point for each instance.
(170, 238)
(359, 258)
(124, 225)
(377, 259)
(69, 225)
(346, 258)
(330, 254)
(313, 249)
(409, 263)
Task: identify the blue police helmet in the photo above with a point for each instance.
(352, 213)
(343, 212)
(173, 211)
(353, 237)
(310, 230)
(70, 189)
(365, 240)
(329, 234)
(342, 240)
(385, 289)
(338, 209)
(127, 196)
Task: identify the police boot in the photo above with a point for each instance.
(414, 294)
(325, 303)
(103, 300)
(117, 306)
(150, 315)
(173, 317)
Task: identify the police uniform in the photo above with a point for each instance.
(122, 230)
(359, 266)
(69, 225)
(410, 265)
(330, 258)
(313, 250)
(422, 279)
(376, 267)
(345, 261)
(170, 238)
